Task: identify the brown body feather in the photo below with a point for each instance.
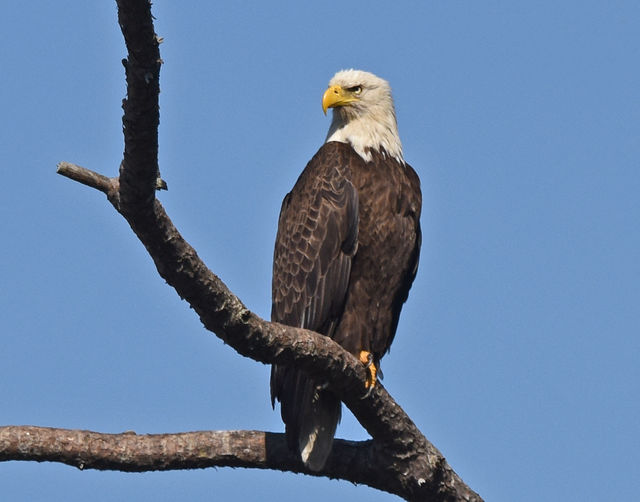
(345, 257)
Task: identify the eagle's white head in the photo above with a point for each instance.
(363, 113)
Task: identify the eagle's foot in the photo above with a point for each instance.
(366, 358)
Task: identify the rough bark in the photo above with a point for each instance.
(399, 459)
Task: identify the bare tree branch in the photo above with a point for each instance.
(402, 454)
(399, 459)
(131, 452)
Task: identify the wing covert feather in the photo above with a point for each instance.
(315, 244)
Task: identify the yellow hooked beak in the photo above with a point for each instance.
(337, 96)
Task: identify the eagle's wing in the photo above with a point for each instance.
(316, 241)
(408, 224)
(315, 245)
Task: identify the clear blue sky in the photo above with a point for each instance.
(518, 352)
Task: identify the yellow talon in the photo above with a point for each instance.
(366, 358)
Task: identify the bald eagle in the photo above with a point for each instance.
(346, 252)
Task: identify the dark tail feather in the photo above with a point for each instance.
(310, 414)
(321, 412)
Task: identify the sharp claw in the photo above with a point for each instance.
(368, 393)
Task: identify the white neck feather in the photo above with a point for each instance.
(377, 130)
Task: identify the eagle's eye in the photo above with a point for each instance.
(356, 89)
